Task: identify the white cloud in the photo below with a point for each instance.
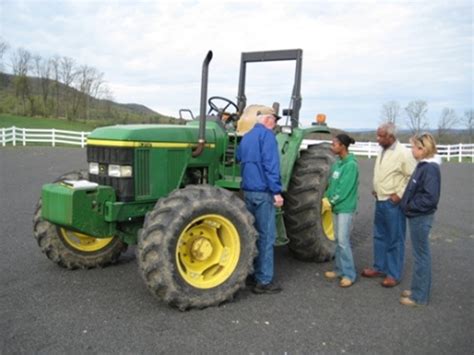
(357, 54)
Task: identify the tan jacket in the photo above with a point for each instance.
(392, 171)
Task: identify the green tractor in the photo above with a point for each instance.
(173, 190)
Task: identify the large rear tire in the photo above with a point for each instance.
(71, 249)
(197, 247)
(310, 232)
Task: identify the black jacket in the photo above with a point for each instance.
(421, 196)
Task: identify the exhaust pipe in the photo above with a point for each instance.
(202, 110)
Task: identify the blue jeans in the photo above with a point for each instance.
(344, 260)
(421, 280)
(260, 204)
(389, 239)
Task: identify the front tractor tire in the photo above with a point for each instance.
(70, 249)
(197, 247)
(310, 232)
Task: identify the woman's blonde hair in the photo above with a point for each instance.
(426, 142)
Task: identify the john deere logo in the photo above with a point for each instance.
(102, 169)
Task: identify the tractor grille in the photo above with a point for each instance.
(124, 187)
(110, 155)
(142, 172)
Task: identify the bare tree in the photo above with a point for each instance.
(88, 82)
(108, 101)
(36, 69)
(98, 85)
(55, 63)
(37, 60)
(447, 121)
(68, 74)
(416, 116)
(43, 72)
(21, 64)
(468, 121)
(390, 112)
(3, 50)
(86, 75)
(95, 88)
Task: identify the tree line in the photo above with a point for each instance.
(59, 87)
(416, 120)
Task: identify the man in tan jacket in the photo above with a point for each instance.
(392, 171)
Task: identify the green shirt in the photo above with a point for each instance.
(343, 185)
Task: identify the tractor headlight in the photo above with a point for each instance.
(94, 168)
(120, 170)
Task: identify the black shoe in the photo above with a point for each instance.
(250, 281)
(270, 288)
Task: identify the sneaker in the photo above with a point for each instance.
(270, 288)
(330, 274)
(407, 301)
(345, 282)
(406, 293)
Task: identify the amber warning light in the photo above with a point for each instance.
(320, 118)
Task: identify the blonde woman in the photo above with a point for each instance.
(419, 204)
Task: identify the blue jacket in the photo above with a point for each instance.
(422, 193)
(259, 161)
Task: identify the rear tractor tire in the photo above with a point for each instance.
(310, 233)
(71, 249)
(197, 247)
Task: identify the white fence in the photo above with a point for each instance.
(23, 136)
(371, 149)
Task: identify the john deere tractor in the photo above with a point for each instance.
(173, 190)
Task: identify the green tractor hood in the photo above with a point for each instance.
(150, 133)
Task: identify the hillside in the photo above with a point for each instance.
(34, 96)
(141, 109)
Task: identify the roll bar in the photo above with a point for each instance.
(272, 56)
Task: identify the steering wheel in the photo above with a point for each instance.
(212, 103)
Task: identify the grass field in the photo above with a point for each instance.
(7, 121)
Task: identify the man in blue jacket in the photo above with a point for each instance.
(260, 170)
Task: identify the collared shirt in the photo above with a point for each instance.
(392, 148)
(392, 171)
(259, 161)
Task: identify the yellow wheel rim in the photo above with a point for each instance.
(208, 251)
(84, 242)
(328, 226)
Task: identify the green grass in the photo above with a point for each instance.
(7, 121)
(456, 160)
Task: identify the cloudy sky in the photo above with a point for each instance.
(358, 55)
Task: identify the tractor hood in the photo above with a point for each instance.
(152, 133)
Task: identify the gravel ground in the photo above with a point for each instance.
(45, 309)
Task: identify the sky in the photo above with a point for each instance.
(357, 55)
